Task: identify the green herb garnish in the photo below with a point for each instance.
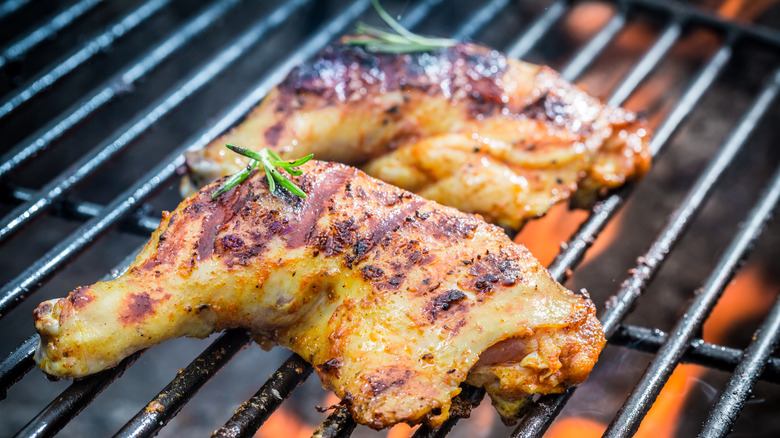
(402, 41)
(269, 161)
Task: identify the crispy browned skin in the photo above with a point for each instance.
(463, 126)
(394, 299)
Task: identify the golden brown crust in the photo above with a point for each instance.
(390, 297)
(464, 126)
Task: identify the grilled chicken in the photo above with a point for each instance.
(464, 126)
(394, 299)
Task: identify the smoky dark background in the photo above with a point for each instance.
(630, 233)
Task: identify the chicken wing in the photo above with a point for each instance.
(464, 126)
(395, 300)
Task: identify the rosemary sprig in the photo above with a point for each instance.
(269, 161)
(402, 41)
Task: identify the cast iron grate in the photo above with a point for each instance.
(126, 211)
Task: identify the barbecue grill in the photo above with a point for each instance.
(98, 101)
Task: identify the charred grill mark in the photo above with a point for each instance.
(382, 226)
(319, 195)
(273, 133)
(448, 227)
(342, 73)
(81, 297)
(232, 243)
(491, 270)
(372, 273)
(384, 379)
(449, 300)
(136, 307)
(211, 225)
(339, 237)
(234, 250)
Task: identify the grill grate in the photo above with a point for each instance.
(22, 205)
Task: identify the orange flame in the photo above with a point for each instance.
(284, 423)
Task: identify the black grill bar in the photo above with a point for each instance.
(542, 414)
(604, 210)
(71, 401)
(734, 395)
(71, 208)
(651, 261)
(163, 172)
(166, 170)
(648, 62)
(60, 21)
(338, 423)
(461, 407)
(18, 362)
(596, 45)
(253, 412)
(18, 288)
(115, 87)
(149, 420)
(480, 19)
(93, 160)
(639, 401)
(694, 15)
(537, 30)
(11, 6)
(91, 48)
(698, 352)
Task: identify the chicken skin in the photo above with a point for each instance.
(464, 126)
(395, 300)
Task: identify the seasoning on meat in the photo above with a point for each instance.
(395, 300)
(464, 126)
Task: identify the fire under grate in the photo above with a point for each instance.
(156, 92)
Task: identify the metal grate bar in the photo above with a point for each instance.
(604, 210)
(150, 419)
(20, 361)
(115, 87)
(541, 414)
(698, 352)
(338, 423)
(19, 49)
(159, 175)
(11, 6)
(695, 15)
(14, 366)
(538, 29)
(70, 208)
(588, 54)
(651, 261)
(480, 19)
(734, 395)
(648, 62)
(71, 401)
(253, 412)
(626, 422)
(18, 288)
(40, 271)
(93, 160)
(461, 407)
(88, 50)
